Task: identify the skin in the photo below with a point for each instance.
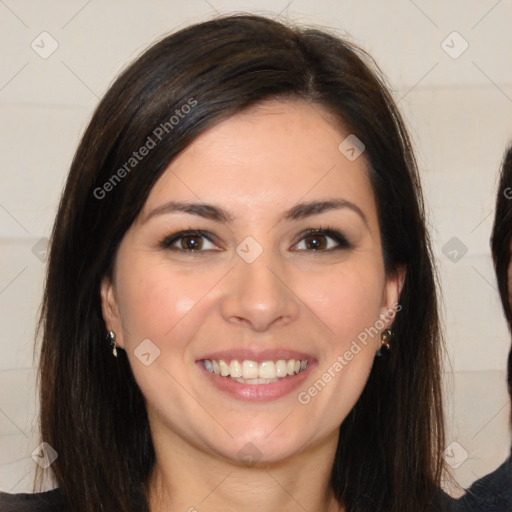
(255, 165)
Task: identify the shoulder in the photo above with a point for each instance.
(441, 502)
(49, 501)
(492, 493)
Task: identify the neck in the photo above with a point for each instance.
(188, 479)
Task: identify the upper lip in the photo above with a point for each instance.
(258, 356)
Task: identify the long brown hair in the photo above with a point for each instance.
(92, 411)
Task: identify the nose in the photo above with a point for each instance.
(260, 295)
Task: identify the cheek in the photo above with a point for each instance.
(349, 303)
(161, 306)
(153, 300)
(347, 300)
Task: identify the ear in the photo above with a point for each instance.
(391, 295)
(110, 310)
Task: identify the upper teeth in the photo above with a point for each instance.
(248, 369)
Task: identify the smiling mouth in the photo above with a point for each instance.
(251, 372)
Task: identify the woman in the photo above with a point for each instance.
(232, 318)
(493, 492)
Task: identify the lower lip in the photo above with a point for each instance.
(257, 392)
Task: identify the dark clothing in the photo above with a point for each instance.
(492, 493)
(40, 502)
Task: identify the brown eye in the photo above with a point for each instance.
(323, 240)
(315, 242)
(189, 241)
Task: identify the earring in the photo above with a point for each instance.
(111, 338)
(384, 345)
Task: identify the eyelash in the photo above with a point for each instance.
(343, 243)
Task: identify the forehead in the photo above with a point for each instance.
(274, 154)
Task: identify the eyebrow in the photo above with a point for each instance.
(217, 214)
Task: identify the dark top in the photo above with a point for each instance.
(492, 493)
(40, 502)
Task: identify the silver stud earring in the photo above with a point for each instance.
(111, 338)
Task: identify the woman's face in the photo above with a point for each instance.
(287, 268)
